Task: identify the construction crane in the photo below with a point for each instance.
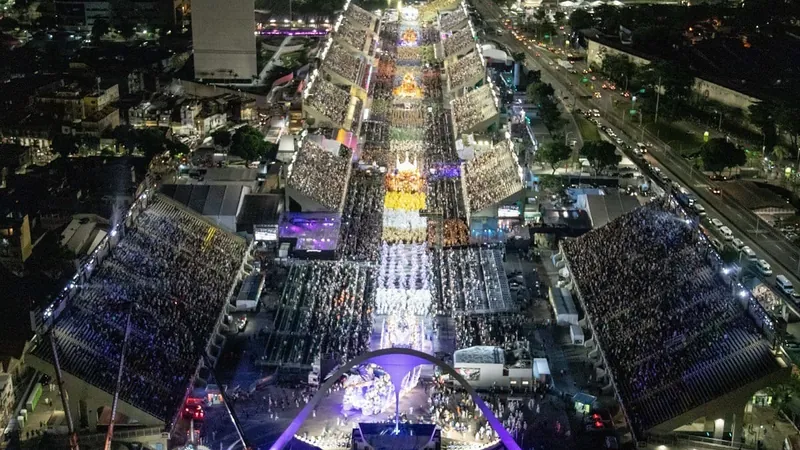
(112, 420)
(73, 435)
(115, 400)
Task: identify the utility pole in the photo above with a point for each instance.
(658, 97)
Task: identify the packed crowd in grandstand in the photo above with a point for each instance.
(671, 358)
(172, 273)
(458, 42)
(473, 108)
(344, 64)
(465, 69)
(331, 100)
(492, 175)
(320, 175)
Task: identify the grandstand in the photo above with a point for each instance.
(492, 176)
(355, 39)
(345, 68)
(453, 21)
(696, 353)
(331, 106)
(172, 272)
(465, 72)
(318, 178)
(459, 43)
(475, 111)
(358, 17)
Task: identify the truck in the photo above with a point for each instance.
(565, 64)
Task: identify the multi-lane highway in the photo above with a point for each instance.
(767, 242)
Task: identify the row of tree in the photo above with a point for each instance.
(543, 96)
(602, 155)
(715, 155)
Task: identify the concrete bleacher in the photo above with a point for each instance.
(670, 335)
(172, 272)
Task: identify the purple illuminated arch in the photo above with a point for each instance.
(396, 362)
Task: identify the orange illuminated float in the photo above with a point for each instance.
(408, 88)
(409, 37)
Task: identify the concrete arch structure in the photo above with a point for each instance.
(397, 362)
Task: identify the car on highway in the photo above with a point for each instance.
(699, 209)
(784, 285)
(749, 253)
(763, 268)
(717, 223)
(714, 189)
(598, 95)
(738, 243)
(727, 234)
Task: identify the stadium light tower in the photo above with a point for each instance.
(73, 435)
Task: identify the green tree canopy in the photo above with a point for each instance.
(538, 92)
(580, 19)
(221, 138)
(100, 28)
(718, 154)
(619, 68)
(66, 145)
(608, 17)
(248, 143)
(554, 154)
(602, 155)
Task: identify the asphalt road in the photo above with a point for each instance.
(768, 243)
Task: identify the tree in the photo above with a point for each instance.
(761, 115)
(786, 115)
(151, 141)
(248, 144)
(537, 92)
(554, 154)
(602, 155)
(608, 17)
(125, 135)
(519, 57)
(533, 77)
(674, 81)
(222, 138)
(540, 14)
(66, 145)
(779, 153)
(551, 116)
(618, 68)
(718, 154)
(126, 29)
(99, 29)
(176, 148)
(559, 17)
(580, 20)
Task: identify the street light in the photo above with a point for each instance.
(566, 137)
(626, 81)
(719, 127)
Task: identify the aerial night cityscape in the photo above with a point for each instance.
(399, 225)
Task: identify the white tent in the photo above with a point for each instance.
(596, 3)
(616, 3)
(541, 369)
(568, 4)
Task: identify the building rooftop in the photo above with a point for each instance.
(479, 354)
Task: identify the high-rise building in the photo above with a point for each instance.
(224, 40)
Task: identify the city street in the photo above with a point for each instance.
(768, 243)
